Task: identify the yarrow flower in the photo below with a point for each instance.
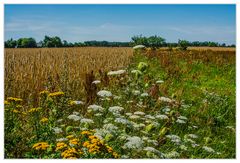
(208, 149)
(116, 109)
(139, 113)
(165, 99)
(134, 142)
(104, 93)
(159, 81)
(74, 117)
(96, 108)
(134, 117)
(85, 120)
(172, 154)
(57, 130)
(174, 138)
(122, 121)
(162, 117)
(180, 121)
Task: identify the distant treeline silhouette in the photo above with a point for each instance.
(152, 41)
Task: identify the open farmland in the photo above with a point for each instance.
(144, 104)
(28, 71)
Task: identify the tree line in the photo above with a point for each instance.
(152, 41)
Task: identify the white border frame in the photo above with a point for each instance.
(237, 2)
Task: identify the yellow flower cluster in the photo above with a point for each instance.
(34, 110)
(70, 137)
(55, 94)
(40, 146)
(73, 141)
(86, 133)
(10, 99)
(60, 146)
(6, 102)
(44, 120)
(71, 153)
(15, 111)
(44, 92)
(72, 102)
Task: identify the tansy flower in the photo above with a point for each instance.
(60, 146)
(73, 141)
(44, 92)
(70, 137)
(6, 102)
(34, 110)
(40, 146)
(10, 99)
(55, 94)
(44, 120)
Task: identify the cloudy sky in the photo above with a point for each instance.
(120, 22)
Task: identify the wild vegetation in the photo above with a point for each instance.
(156, 103)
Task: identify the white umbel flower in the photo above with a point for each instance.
(74, 117)
(118, 72)
(162, 117)
(165, 99)
(57, 130)
(139, 113)
(134, 142)
(96, 82)
(104, 93)
(96, 108)
(116, 109)
(85, 120)
(208, 149)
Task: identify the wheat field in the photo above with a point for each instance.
(29, 71)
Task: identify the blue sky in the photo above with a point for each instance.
(121, 22)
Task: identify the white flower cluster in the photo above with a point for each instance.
(136, 92)
(118, 72)
(104, 93)
(96, 108)
(62, 139)
(57, 130)
(74, 117)
(174, 138)
(96, 82)
(145, 94)
(115, 109)
(139, 113)
(87, 121)
(162, 117)
(172, 154)
(165, 99)
(122, 121)
(208, 149)
(159, 81)
(134, 142)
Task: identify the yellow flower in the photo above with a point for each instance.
(10, 99)
(15, 111)
(73, 141)
(115, 155)
(70, 137)
(40, 146)
(44, 120)
(6, 102)
(72, 102)
(34, 110)
(60, 146)
(56, 94)
(86, 133)
(69, 153)
(44, 92)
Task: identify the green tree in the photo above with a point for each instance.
(26, 43)
(10, 43)
(183, 44)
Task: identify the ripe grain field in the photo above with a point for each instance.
(28, 71)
